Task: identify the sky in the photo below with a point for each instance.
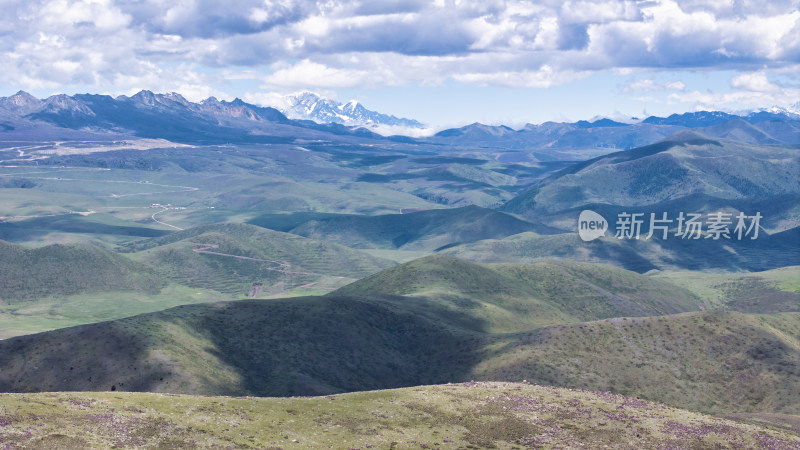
(442, 62)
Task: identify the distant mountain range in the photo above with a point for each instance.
(149, 115)
(763, 127)
(308, 116)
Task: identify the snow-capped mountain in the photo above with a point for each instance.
(310, 106)
(789, 111)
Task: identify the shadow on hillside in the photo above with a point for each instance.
(322, 345)
(25, 230)
(96, 357)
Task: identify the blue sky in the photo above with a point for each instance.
(443, 62)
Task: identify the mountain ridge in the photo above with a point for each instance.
(239, 121)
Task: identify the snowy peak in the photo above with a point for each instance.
(310, 106)
(792, 112)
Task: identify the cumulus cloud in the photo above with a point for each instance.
(755, 82)
(545, 77)
(337, 43)
(309, 73)
(749, 90)
(650, 85)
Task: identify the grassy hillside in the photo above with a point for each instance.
(431, 321)
(469, 415)
(69, 269)
(18, 318)
(514, 297)
(421, 230)
(57, 286)
(298, 346)
(765, 292)
(435, 320)
(248, 260)
(97, 228)
(683, 165)
(711, 361)
(766, 252)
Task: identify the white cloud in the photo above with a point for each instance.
(643, 85)
(675, 85)
(102, 14)
(273, 99)
(751, 91)
(755, 82)
(343, 44)
(309, 73)
(650, 85)
(543, 78)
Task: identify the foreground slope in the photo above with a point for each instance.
(714, 361)
(471, 415)
(298, 346)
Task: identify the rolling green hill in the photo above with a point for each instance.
(420, 230)
(767, 292)
(516, 297)
(677, 168)
(714, 361)
(711, 361)
(674, 254)
(298, 346)
(436, 320)
(27, 274)
(468, 415)
(58, 286)
(244, 259)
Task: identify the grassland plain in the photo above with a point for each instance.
(466, 415)
(238, 182)
(61, 311)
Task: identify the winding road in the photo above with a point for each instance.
(283, 267)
